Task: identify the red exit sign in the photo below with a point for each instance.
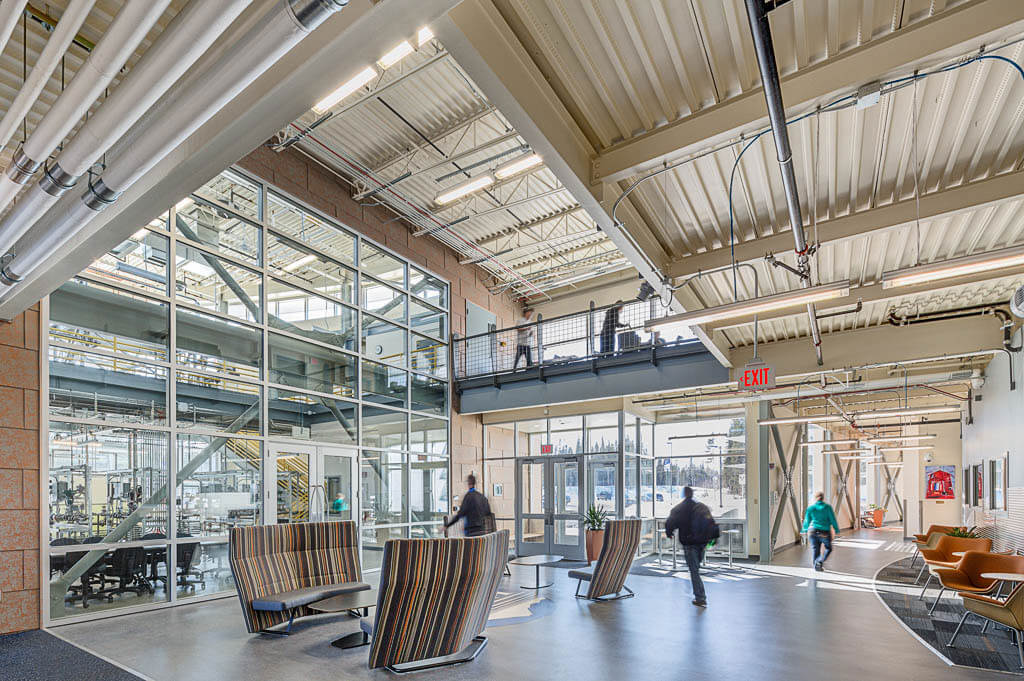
(756, 376)
(547, 449)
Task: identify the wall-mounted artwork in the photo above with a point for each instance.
(997, 483)
(940, 482)
(979, 486)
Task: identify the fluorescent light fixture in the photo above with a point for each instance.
(918, 448)
(517, 165)
(788, 420)
(900, 438)
(956, 267)
(860, 458)
(184, 204)
(890, 464)
(468, 187)
(743, 308)
(896, 413)
(348, 87)
(423, 36)
(395, 55)
(304, 260)
(849, 451)
(829, 442)
(63, 442)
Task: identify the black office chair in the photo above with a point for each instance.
(127, 570)
(91, 583)
(155, 555)
(58, 563)
(184, 555)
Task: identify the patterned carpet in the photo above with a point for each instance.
(39, 656)
(993, 650)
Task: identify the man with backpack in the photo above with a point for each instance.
(696, 527)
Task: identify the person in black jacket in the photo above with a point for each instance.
(608, 328)
(474, 508)
(692, 522)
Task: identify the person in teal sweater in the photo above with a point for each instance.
(820, 519)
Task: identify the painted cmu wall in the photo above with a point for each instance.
(19, 472)
(308, 181)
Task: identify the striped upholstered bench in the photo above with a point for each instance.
(434, 599)
(621, 539)
(281, 569)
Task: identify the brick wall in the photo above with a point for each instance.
(310, 182)
(19, 472)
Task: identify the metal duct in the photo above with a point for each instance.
(127, 30)
(10, 12)
(72, 19)
(180, 112)
(762, 35)
(192, 31)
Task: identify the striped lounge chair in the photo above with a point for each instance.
(621, 539)
(434, 599)
(281, 569)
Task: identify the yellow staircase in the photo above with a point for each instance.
(294, 467)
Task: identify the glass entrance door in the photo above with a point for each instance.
(309, 483)
(548, 507)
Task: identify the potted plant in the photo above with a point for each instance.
(593, 522)
(877, 514)
(964, 532)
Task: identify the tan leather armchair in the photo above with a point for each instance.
(942, 555)
(935, 532)
(1009, 613)
(943, 529)
(966, 577)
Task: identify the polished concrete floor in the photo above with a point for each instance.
(782, 621)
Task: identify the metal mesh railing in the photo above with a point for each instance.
(580, 336)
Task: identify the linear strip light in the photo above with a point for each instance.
(873, 457)
(296, 264)
(395, 55)
(890, 464)
(789, 420)
(743, 308)
(468, 187)
(919, 448)
(517, 165)
(900, 438)
(423, 36)
(830, 442)
(849, 451)
(347, 88)
(912, 411)
(956, 267)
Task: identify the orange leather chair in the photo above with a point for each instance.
(942, 555)
(1009, 613)
(944, 529)
(966, 577)
(927, 541)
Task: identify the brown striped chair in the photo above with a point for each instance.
(281, 569)
(434, 598)
(621, 539)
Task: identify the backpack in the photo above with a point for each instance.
(704, 526)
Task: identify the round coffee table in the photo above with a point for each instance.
(1003, 578)
(536, 561)
(356, 601)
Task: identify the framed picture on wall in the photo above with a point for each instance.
(940, 482)
(997, 483)
(978, 498)
(967, 485)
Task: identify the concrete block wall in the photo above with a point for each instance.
(310, 182)
(19, 472)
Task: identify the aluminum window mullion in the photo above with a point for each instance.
(172, 416)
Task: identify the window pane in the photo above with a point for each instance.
(106, 482)
(383, 341)
(139, 262)
(602, 432)
(305, 314)
(203, 569)
(632, 482)
(218, 484)
(428, 287)
(429, 395)
(601, 477)
(292, 261)
(385, 384)
(567, 435)
(428, 489)
(217, 345)
(307, 228)
(99, 317)
(373, 542)
(204, 223)
(530, 435)
(218, 285)
(381, 264)
(382, 300)
(119, 390)
(428, 355)
(426, 319)
(383, 482)
(235, 192)
(428, 435)
(310, 417)
(217, 403)
(312, 367)
(384, 428)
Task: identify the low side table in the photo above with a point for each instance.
(356, 601)
(536, 561)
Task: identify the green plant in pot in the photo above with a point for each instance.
(964, 532)
(593, 522)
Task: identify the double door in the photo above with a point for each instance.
(310, 483)
(548, 507)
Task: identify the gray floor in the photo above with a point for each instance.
(782, 621)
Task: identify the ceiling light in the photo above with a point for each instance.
(350, 86)
(395, 55)
(743, 308)
(517, 165)
(860, 458)
(305, 260)
(918, 448)
(788, 420)
(957, 267)
(849, 451)
(423, 36)
(910, 411)
(184, 204)
(901, 438)
(63, 442)
(890, 464)
(468, 187)
(829, 442)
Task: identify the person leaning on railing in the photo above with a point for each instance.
(524, 339)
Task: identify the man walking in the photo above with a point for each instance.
(820, 519)
(524, 339)
(696, 527)
(474, 508)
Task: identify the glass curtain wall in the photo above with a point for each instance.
(169, 378)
